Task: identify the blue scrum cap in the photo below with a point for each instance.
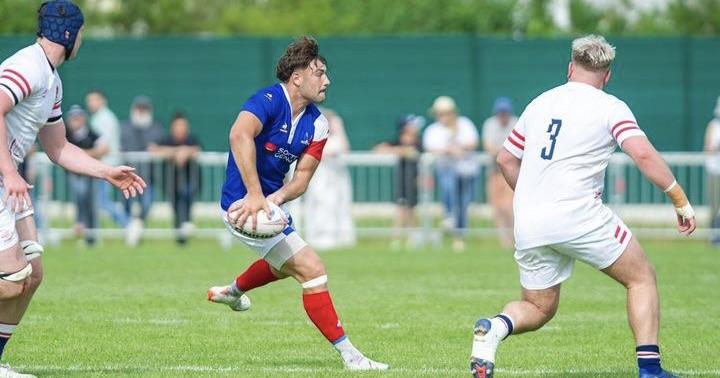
(60, 21)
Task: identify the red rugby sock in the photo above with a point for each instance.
(320, 310)
(256, 275)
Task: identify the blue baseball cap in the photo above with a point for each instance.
(502, 105)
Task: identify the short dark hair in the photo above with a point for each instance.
(97, 91)
(298, 54)
(178, 115)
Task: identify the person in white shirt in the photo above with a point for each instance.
(106, 125)
(494, 132)
(555, 159)
(712, 167)
(453, 140)
(30, 107)
(327, 204)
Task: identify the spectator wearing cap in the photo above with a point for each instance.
(452, 139)
(494, 132)
(406, 146)
(79, 134)
(136, 135)
(712, 166)
(180, 149)
(107, 127)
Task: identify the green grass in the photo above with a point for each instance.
(109, 311)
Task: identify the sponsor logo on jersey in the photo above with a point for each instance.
(270, 147)
(283, 128)
(285, 155)
(268, 96)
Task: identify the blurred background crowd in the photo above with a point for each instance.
(451, 140)
(422, 99)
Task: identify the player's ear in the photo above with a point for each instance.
(607, 77)
(296, 78)
(571, 68)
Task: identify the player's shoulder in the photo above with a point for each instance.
(29, 59)
(28, 65)
(613, 101)
(270, 93)
(320, 122)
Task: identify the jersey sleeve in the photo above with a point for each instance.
(262, 105)
(17, 81)
(316, 146)
(515, 142)
(56, 113)
(622, 124)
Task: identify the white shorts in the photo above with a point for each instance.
(276, 250)
(8, 232)
(546, 266)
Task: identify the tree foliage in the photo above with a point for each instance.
(374, 17)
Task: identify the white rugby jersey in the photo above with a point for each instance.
(565, 138)
(34, 86)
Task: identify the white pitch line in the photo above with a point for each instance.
(290, 369)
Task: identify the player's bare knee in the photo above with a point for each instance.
(14, 284)
(11, 290)
(34, 281)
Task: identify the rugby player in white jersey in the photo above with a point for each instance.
(30, 107)
(555, 160)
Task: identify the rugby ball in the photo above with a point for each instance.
(267, 226)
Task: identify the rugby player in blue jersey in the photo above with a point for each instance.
(278, 126)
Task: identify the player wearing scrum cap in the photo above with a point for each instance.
(278, 126)
(30, 107)
(555, 160)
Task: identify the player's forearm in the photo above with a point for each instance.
(654, 168)
(295, 188)
(243, 148)
(75, 160)
(7, 165)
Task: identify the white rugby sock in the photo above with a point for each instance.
(234, 290)
(346, 349)
(485, 346)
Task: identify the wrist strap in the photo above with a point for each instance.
(669, 188)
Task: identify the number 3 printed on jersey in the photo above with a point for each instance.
(553, 129)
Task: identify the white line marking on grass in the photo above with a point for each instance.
(157, 321)
(119, 368)
(389, 325)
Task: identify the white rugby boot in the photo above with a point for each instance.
(224, 295)
(358, 362)
(7, 372)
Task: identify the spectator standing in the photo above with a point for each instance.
(453, 140)
(180, 149)
(136, 135)
(494, 132)
(80, 134)
(406, 147)
(327, 202)
(106, 126)
(712, 165)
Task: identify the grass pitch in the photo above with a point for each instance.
(109, 311)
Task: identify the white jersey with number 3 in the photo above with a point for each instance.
(565, 138)
(35, 89)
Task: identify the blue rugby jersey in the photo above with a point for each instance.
(280, 142)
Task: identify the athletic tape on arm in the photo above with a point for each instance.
(679, 199)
